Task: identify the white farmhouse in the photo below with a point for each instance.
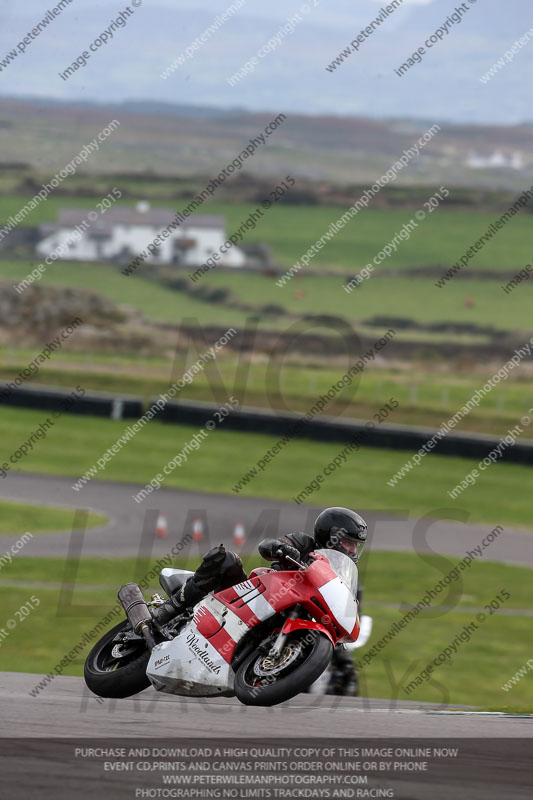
(123, 233)
(496, 160)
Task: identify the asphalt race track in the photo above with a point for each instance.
(66, 708)
(38, 754)
(494, 762)
(123, 536)
(64, 711)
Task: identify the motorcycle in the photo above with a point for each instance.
(264, 640)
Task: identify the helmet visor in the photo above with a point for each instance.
(352, 548)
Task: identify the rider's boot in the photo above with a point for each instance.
(360, 599)
(184, 598)
(344, 677)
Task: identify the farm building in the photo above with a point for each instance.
(124, 233)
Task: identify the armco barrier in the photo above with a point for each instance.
(251, 420)
(99, 405)
(329, 429)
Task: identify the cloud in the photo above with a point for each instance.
(409, 2)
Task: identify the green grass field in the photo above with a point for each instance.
(76, 443)
(157, 303)
(425, 398)
(441, 238)
(475, 302)
(418, 299)
(475, 676)
(18, 518)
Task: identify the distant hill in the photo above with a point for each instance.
(137, 106)
(188, 140)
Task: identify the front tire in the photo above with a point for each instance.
(261, 682)
(109, 676)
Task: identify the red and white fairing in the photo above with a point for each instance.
(197, 662)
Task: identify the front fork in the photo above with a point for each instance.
(279, 644)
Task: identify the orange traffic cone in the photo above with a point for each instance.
(198, 530)
(239, 535)
(161, 528)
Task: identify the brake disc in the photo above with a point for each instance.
(119, 652)
(268, 665)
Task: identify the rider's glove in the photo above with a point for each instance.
(209, 569)
(287, 550)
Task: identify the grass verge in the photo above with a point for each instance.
(425, 398)
(18, 518)
(76, 443)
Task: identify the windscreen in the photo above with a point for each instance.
(343, 567)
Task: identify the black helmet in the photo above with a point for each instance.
(341, 529)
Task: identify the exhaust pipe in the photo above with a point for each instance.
(137, 612)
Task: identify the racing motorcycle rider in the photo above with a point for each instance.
(338, 529)
(335, 529)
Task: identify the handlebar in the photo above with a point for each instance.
(279, 554)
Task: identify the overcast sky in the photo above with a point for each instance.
(445, 85)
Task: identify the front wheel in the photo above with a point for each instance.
(117, 669)
(264, 681)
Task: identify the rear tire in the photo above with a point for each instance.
(108, 676)
(253, 689)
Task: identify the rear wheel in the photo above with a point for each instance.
(262, 680)
(115, 668)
